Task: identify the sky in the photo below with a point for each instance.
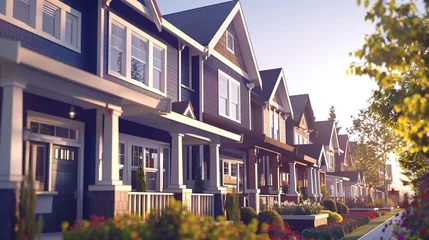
(311, 40)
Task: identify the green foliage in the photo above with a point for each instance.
(342, 208)
(273, 220)
(414, 165)
(199, 182)
(305, 208)
(324, 191)
(175, 223)
(376, 141)
(141, 184)
(26, 227)
(330, 205)
(232, 206)
(333, 216)
(247, 214)
(396, 57)
(301, 196)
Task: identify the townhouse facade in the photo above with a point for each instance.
(90, 91)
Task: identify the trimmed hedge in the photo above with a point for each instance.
(330, 205)
(342, 208)
(247, 214)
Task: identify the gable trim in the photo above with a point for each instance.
(228, 20)
(282, 78)
(149, 11)
(189, 112)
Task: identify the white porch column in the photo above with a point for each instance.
(341, 189)
(335, 189)
(214, 182)
(176, 162)
(310, 182)
(316, 182)
(11, 140)
(292, 179)
(110, 166)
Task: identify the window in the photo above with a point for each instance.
(22, 10)
(233, 170)
(136, 161)
(38, 162)
(136, 57)
(50, 19)
(230, 41)
(52, 130)
(121, 160)
(226, 168)
(229, 97)
(274, 122)
(151, 157)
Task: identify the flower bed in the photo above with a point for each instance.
(175, 223)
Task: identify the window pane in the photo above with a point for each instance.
(116, 49)
(121, 174)
(62, 132)
(21, 10)
(230, 41)
(34, 127)
(47, 129)
(134, 178)
(73, 134)
(223, 87)
(226, 168)
(2, 6)
(222, 106)
(150, 181)
(234, 111)
(137, 156)
(121, 153)
(50, 16)
(40, 164)
(234, 92)
(151, 157)
(233, 169)
(71, 29)
(138, 59)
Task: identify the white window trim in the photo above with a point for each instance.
(230, 163)
(129, 29)
(129, 140)
(36, 20)
(230, 81)
(139, 7)
(229, 34)
(52, 140)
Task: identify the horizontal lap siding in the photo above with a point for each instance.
(211, 88)
(185, 67)
(128, 14)
(86, 60)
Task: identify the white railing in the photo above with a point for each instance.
(268, 201)
(143, 203)
(202, 204)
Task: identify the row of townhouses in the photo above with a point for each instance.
(91, 90)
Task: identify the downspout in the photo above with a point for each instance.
(250, 86)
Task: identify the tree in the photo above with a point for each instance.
(333, 117)
(376, 141)
(414, 166)
(397, 57)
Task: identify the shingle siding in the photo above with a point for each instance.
(131, 16)
(237, 56)
(86, 60)
(211, 102)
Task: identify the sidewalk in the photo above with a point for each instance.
(384, 231)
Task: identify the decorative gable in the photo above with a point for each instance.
(235, 55)
(185, 108)
(303, 122)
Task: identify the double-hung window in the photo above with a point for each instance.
(50, 19)
(229, 97)
(233, 169)
(121, 160)
(274, 125)
(226, 168)
(136, 57)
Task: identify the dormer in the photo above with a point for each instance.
(277, 107)
(301, 124)
(326, 134)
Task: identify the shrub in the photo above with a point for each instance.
(376, 213)
(199, 182)
(360, 218)
(383, 212)
(334, 230)
(333, 217)
(232, 206)
(324, 192)
(342, 208)
(330, 205)
(305, 208)
(141, 184)
(175, 223)
(247, 214)
(273, 220)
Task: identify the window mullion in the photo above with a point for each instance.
(127, 53)
(229, 99)
(150, 64)
(62, 25)
(36, 14)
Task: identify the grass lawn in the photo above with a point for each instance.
(359, 232)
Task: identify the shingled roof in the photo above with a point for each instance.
(298, 103)
(324, 129)
(202, 23)
(342, 140)
(269, 80)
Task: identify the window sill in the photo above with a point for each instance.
(136, 83)
(228, 117)
(46, 193)
(44, 201)
(186, 87)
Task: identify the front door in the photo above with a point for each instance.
(64, 182)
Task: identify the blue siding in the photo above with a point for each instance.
(121, 9)
(185, 67)
(138, 130)
(195, 71)
(86, 60)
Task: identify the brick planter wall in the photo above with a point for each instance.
(301, 222)
(108, 203)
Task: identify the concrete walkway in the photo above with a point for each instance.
(384, 231)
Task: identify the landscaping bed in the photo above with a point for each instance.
(301, 222)
(363, 209)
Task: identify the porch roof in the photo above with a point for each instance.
(89, 88)
(328, 175)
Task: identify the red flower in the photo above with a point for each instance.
(423, 233)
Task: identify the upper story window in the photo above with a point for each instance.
(136, 57)
(230, 41)
(229, 97)
(274, 125)
(50, 19)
